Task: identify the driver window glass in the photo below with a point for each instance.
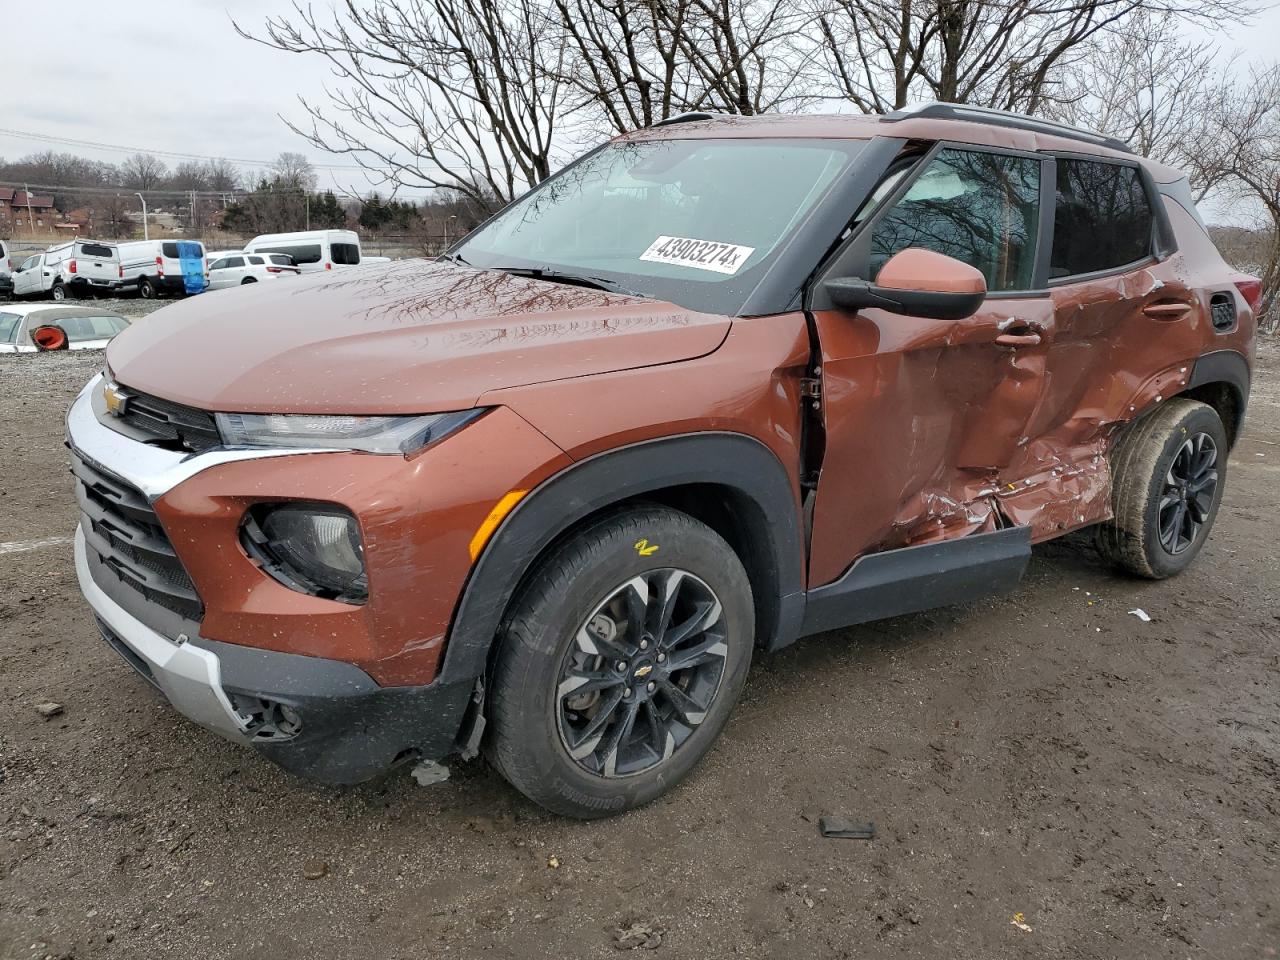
(983, 209)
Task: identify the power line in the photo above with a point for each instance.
(171, 154)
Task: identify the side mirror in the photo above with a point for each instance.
(917, 283)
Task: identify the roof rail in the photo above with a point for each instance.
(1004, 118)
(689, 117)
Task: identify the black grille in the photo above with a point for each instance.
(124, 532)
(174, 425)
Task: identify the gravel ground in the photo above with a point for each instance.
(1049, 777)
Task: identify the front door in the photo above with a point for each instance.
(26, 280)
(922, 417)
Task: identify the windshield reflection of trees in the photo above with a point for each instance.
(989, 219)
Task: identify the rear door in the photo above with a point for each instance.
(99, 263)
(923, 417)
(190, 261)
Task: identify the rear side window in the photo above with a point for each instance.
(1103, 218)
(8, 326)
(280, 260)
(79, 329)
(983, 209)
(301, 253)
(170, 250)
(256, 261)
(96, 250)
(347, 254)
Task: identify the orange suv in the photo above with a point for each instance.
(717, 385)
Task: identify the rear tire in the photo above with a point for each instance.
(59, 292)
(660, 678)
(146, 289)
(248, 280)
(1168, 477)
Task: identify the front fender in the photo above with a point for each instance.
(765, 505)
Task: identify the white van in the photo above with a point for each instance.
(311, 250)
(80, 268)
(153, 267)
(6, 271)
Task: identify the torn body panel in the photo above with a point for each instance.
(935, 431)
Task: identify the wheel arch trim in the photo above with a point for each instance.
(731, 460)
(1227, 367)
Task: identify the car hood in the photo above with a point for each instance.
(407, 337)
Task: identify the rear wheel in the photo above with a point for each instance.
(248, 280)
(620, 663)
(59, 292)
(146, 289)
(1168, 476)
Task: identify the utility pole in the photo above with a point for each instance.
(146, 235)
(31, 221)
(307, 199)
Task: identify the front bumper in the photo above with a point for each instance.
(348, 727)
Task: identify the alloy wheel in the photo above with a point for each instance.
(642, 673)
(1189, 491)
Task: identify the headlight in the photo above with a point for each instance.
(401, 435)
(313, 548)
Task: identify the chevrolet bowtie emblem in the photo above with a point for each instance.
(116, 399)
(643, 671)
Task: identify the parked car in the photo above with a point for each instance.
(720, 384)
(312, 250)
(235, 269)
(79, 268)
(6, 270)
(31, 328)
(154, 267)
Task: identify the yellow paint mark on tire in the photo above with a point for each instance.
(645, 548)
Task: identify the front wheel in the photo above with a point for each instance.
(620, 663)
(1168, 476)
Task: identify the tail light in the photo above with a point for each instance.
(71, 266)
(1251, 289)
(120, 270)
(328, 265)
(160, 266)
(275, 270)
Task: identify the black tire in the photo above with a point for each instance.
(58, 292)
(1160, 523)
(146, 289)
(540, 640)
(248, 280)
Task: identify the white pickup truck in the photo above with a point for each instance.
(79, 269)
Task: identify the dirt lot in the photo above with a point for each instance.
(1111, 785)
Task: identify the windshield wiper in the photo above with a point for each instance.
(572, 279)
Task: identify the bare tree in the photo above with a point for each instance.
(222, 175)
(634, 62)
(463, 94)
(883, 54)
(142, 171)
(1144, 84)
(1243, 153)
(293, 170)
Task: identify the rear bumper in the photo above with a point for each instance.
(346, 728)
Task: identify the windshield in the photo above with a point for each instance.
(695, 222)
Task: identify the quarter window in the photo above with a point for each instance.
(980, 208)
(347, 254)
(1103, 218)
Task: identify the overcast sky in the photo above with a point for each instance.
(176, 76)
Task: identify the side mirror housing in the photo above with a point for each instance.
(916, 283)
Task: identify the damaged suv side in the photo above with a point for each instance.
(718, 385)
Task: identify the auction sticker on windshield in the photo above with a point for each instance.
(700, 254)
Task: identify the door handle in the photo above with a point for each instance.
(1019, 334)
(1018, 339)
(1168, 310)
